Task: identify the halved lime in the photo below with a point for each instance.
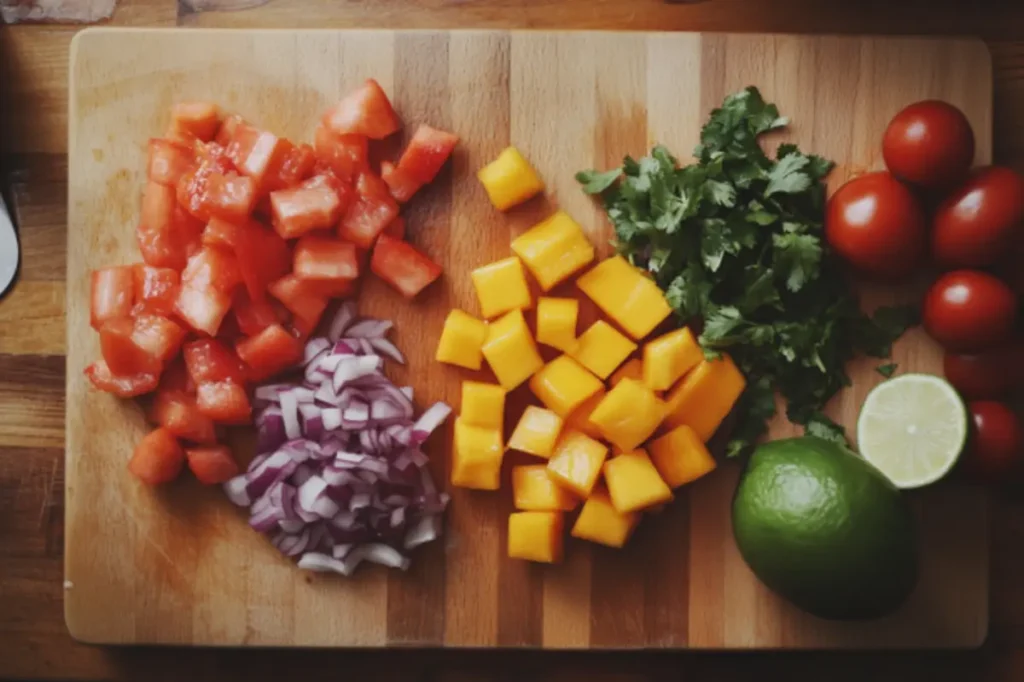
(912, 428)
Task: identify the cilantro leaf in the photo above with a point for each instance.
(797, 258)
(595, 182)
(787, 176)
(887, 370)
(823, 427)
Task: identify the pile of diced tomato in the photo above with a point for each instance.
(245, 238)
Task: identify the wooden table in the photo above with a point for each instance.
(33, 118)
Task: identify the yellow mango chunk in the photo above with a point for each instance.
(534, 490)
(501, 287)
(483, 405)
(600, 522)
(705, 396)
(461, 340)
(509, 179)
(554, 249)
(476, 457)
(556, 322)
(633, 482)
(562, 385)
(632, 369)
(510, 350)
(536, 536)
(625, 295)
(669, 357)
(579, 418)
(602, 348)
(576, 462)
(537, 432)
(680, 456)
(629, 414)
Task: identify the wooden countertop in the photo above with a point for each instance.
(33, 119)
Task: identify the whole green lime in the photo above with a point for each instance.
(824, 529)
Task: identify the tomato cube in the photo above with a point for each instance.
(123, 386)
(296, 164)
(364, 111)
(155, 289)
(112, 294)
(270, 352)
(210, 191)
(176, 378)
(213, 464)
(299, 296)
(299, 210)
(254, 315)
(177, 412)
(261, 254)
(421, 161)
(212, 269)
(345, 155)
(228, 127)
(325, 259)
(266, 152)
(396, 228)
(157, 336)
(202, 310)
(373, 209)
(210, 360)
(224, 402)
(168, 161)
(332, 288)
(167, 234)
(198, 120)
(158, 458)
(399, 264)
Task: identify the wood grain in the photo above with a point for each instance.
(181, 565)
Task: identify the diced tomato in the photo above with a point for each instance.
(199, 120)
(262, 255)
(212, 465)
(345, 155)
(399, 264)
(325, 259)
(364, 111)
(226, 131)
(255, 315)
(224, 402)
(177, 412)
(155, 288)
(300, 210)
(420, 163)
(296, 165)
(167, 234)
(259, 154)
(305, 325)
(215, 156)
(341, 288)
(210, 360)
(370, 213)
(299, 297)
(168, 161)
(207, 192)
(212, 268)
(396, 228)
(270, 352)
(220, 233)
(157, 336)
(122, 386)
(176, 377)
(158, 458)
(112, 294)
(123, 356)
(202, 310)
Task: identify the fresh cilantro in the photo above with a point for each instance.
(823, 427)
(887, 370)
(595, 183)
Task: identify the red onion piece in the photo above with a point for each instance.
(342, 319)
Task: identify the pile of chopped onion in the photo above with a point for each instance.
(339, 476)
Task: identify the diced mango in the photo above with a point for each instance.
(556, 322)
(600, 522)
(483, 405)
(576, 462)
(705, 396)
(536, 536)
(631, 369)
(461, 340)
(680, 456)
(476, 457)
(554, 249)
(509, 179)
(602, 348)
(510, 350)
(562, 385)
(501, 287)
(534, 490)
(633, 482)
(669, 357)
(629, 414)
(625, 295)
(537, 432)
(579, 418)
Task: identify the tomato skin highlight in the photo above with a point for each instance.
(969, 311)
(980, 220)
(158, 458)
(929, 144)
(990, 374)
(995, 449)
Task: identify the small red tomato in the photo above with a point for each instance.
(990, 374)
(969, 311)
(929, 144)
(977, 223)
(875, 223)
(995, 449)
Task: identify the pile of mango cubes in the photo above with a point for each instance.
(603, 398)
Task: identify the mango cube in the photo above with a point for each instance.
(509, 179)
(634, 483)
(476, 457)
(461, 340)
(669, 357)
(510, 350)
(705, 396)
(534, 490)
(602, 348)
(680, 456)
(536, 536)
(631, 369)
(600, 522)
(556, 322)
(625, 295)
(501, 287)
(537, 432)
(483, 405)
(562, 385)
(629, 414)
(554, 249)
(579, 418)
(576, 462)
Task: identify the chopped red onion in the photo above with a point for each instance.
(355, 367)
(342, 319)
(389, 349)
(314, 348)
(330, 418)
(290, 415)
(428, 421)
(368, 329)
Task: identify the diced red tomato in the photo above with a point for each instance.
(211, 465)
(199, 120)
(325, 259)
(399, 264)
(177, 412)
(300, 210)
(215, 156)
(295, 165)
(212, 268)
(420, 163)
(299, 297)
(370, 213)
(345, 155)
(202, 310)
(167, 234)
(157, 336)
(155, 288)
(112, 294)
(122, 386)
(158, 458)
(254, 315)
(364, 111)
(341, 288)
(176, 377)
(224, 402)
(259, 154)
(226, 131)
(168, 161)
(396, 228)
(122, 355)
(262, 255)
(210, 360)
(270, 352)
(207, 192)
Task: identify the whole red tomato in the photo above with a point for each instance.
(929, 144)
(995, 448)
(989, 374)
(969, 311)
(979, 220)
(875, 223)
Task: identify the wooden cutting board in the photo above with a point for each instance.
(179, 565)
